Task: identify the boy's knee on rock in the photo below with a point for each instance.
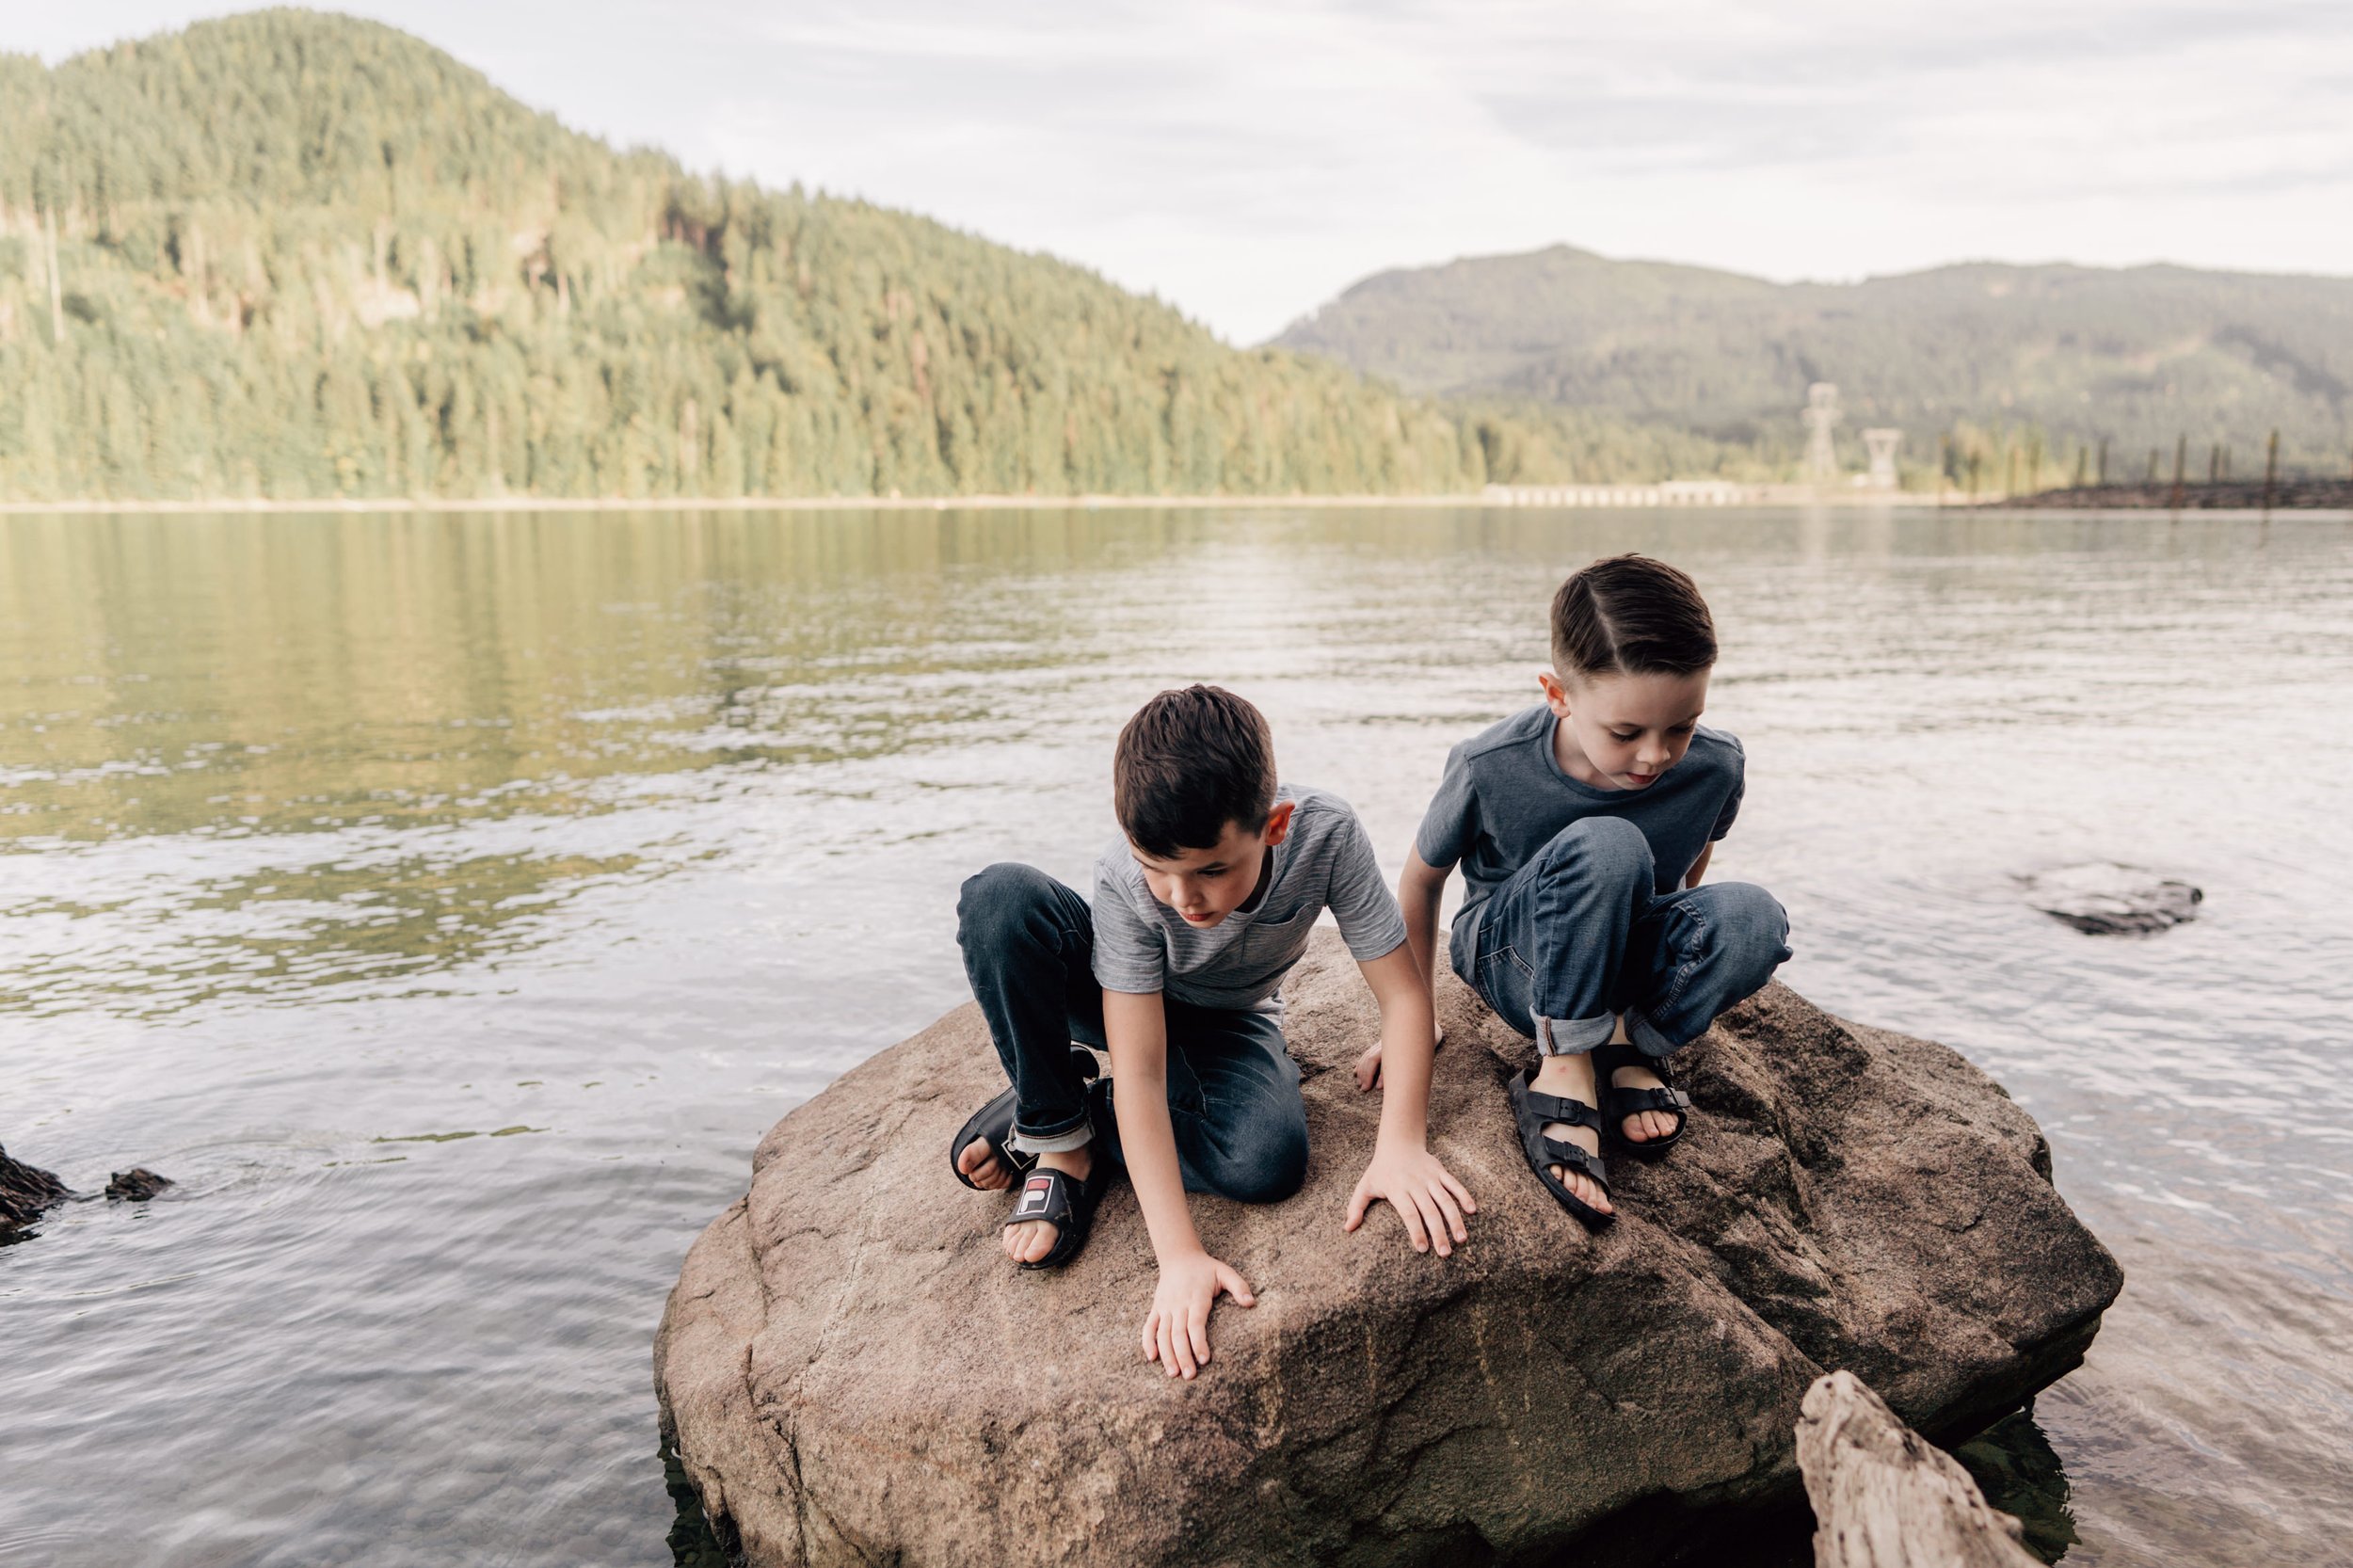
(1272, 1169)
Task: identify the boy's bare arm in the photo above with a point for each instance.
(1419, 890)
(1176, 1331)
(1699, 867)
(1403, 1172)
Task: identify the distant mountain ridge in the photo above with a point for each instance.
(298, 255)
(2136, 355)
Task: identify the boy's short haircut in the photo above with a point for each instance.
(1629, 615)
(1188, 763)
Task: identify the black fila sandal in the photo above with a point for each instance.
(1066, 1202)
(992, 1123)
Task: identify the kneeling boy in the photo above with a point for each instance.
(1198, 914)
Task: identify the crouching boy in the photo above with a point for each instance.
(1199, 911)
(1583, 826)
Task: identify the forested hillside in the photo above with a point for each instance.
(297, 255)
(1977, 354)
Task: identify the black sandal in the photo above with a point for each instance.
(993, 1124)
(1066, 1202)
(1618, 1104)
(1532, 1108)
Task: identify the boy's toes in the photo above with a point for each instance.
(979, 1162)
(1581, 1186)
(1029, 1240)
(1643, 1126)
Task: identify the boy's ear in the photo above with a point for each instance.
(1278, 822)
(1555, 695)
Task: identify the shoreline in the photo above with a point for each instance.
(1679, 496)
(1581, 497)
(2211, 495)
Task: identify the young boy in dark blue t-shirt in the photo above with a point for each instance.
(1583, 827)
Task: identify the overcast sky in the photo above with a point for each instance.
(1247, 159)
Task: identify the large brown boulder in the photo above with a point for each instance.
(853, 1373)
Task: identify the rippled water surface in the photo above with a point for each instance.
(450, 904)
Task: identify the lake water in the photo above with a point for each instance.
(450, 904)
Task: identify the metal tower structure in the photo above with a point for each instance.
(1882, 444)
(1822, 414)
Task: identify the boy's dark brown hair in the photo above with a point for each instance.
(1186, 764)
(1629, 615)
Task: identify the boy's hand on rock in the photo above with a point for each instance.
(1422, 1191)
(1176, 1331)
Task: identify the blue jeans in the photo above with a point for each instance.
(1233, 1089)
(1580, 934)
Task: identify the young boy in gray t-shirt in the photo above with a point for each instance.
(1582, 826)
(1200, 910)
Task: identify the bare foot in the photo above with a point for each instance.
(1031, 1240)
(979, 1163)
(1572, 1078)
(1642, 1126)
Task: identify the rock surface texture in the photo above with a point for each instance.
(1884, 1497)
(853, 1373)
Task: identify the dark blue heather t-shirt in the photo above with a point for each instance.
(1504, 796)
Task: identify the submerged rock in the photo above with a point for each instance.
(852, 1372)
(2106, 899)
(27, 1192)
(136, 1185)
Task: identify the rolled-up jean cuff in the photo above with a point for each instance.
(1645, 1034)
(1055, 1143)
(1573, 1037)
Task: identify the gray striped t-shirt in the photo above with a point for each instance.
(1324, 862)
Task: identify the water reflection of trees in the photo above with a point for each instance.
(346, 690)
(288, 673)
(289, 934)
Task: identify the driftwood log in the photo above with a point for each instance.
(1885, 1497)
(25, 1192)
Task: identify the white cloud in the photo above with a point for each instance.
(1247, 160)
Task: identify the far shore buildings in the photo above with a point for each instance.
(1820, 468)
